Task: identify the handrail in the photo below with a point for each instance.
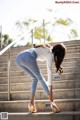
(11, 44)
(8, 70)
(8, 56)
(6, 48)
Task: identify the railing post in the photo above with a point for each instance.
(0, 37)
(32, 36)
(44, 30)
(8, 74)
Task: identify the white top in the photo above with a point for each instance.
(45, 54)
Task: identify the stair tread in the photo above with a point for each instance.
(21, 91)
(45, 74)
(46, 100)
(43, 113)
(54, 81)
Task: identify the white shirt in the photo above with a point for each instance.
(45, 54)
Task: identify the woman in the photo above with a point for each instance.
(27, 60)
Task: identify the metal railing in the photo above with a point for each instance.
(1, 53)
(8, 60)
(8, 49)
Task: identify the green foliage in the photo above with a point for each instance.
(28, 22)
(38, 34)
(42, 32)
(29, 43)
(6, 36)
(49, 38)
(25, 24)
(10, 40)
(6, 40)
(66, 22)
(74, 33)
(18, 24)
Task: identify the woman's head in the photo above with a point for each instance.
(59, 52)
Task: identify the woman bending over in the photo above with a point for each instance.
(27, 60)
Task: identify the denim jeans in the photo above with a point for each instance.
(27, 61)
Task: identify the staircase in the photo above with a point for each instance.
(66, 88)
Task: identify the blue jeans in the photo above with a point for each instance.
(27, 61)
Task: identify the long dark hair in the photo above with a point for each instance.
(59, 51)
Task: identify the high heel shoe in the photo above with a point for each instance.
(54, 107)
(32, 108)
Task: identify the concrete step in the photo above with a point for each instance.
(42, 105)
(73, 55)
(58, 93)
(66, 60)
(68, 44)
(73, 60)
(70, 53)
(68, 56)
(43, 65)
(40, 94)
(69, 59)
(71, 50)
(71, 42)
(57, 84)
(19, 49)
(25, 78)
(14, 66)
(14, 51)
(71, 69)
(68, 115)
